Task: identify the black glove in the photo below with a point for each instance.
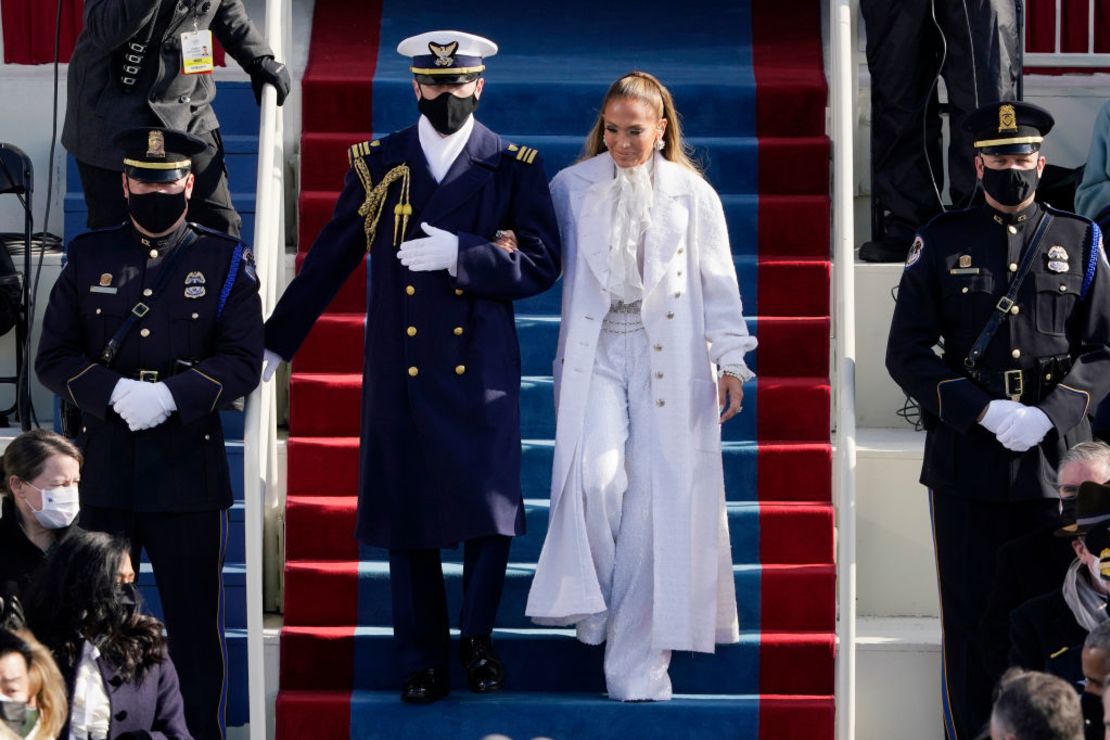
(266, 70)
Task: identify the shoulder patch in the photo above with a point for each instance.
(525, 154)
(362, 149)
(915, 251)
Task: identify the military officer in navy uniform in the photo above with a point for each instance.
(1020, 372)
(153, 327)
(440, 441)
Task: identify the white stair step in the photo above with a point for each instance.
(898, 679)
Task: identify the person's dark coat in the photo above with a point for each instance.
(149, 708)
(1044, 636)
(99, 106)
(20, 559)
(440, 430)
(1025, 568)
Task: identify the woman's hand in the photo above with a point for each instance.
(730, 396)
(505, 239)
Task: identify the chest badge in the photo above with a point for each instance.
(965, 260)
(1057, 266)
(105, 280)
(195, 278)
(194, 291)
(1056, 252)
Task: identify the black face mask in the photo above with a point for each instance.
(127, 594)
(1010, 187)
(156, 212)
(446, 112)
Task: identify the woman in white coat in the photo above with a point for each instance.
(650, 362)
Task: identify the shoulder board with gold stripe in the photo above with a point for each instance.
(362, 149)
(525, 154)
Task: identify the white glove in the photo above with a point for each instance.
(437, 251)
(123, 387)
(270, 362)
(1024, 429)
(998, 411)
(145, 405)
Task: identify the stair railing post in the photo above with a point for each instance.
(260, 433)
(843, 103)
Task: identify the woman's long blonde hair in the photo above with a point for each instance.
(644, 87)
(46, 686)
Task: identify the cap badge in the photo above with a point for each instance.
(1007, 119)
(1057, 252)
(156, 145)
(965, 260)
(445, 55)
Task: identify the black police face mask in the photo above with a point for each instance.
(1010, 187)
(446, 112)
(157, 212)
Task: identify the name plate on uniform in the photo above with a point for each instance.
(964, 271)
(103, 289)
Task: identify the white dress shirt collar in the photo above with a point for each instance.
(441, 151)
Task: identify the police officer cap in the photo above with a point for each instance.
(446, 57)
(157, 154)
(1009, 127)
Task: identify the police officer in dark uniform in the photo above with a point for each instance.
(1020, 295)
(148, 63)
(440, 441)
(151, 329)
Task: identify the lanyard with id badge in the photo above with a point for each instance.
(196, 50)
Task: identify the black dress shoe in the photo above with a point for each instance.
(426, 686)
(484, 670)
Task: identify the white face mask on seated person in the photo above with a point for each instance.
(52, 496)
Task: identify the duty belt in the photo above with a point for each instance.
(1031, 384)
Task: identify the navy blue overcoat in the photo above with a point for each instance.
(440, 439)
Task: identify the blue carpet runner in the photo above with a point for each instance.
(747, 79)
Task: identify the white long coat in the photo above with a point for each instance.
(693, 319)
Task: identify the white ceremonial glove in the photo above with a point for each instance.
(998, 411)
(123, 387)
(1024, 429)
(437, 251)
(145, 405)
(270, 362)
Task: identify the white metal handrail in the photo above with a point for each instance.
(1058, 58)
(842, 75)
(260, 432)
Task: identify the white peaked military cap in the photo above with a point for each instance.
(446, 57)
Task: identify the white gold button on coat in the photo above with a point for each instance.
(144, 333)
(1016, 354)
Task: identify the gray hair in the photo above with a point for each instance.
(1099, 638)
(1038, 706)
(1092, 453)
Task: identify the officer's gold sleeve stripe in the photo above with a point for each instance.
(1059, 652)
(522, 153)
(75, 377)
(940, 403)
(532, 156)
(1077, 390)
(212, 380)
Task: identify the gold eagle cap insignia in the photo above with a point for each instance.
(156, 145)
(1007, 119)
(445, 55)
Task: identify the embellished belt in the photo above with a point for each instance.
(623, 318)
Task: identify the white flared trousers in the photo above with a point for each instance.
(616, 483)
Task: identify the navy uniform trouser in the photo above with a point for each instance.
(186, 551)
(420, 621)
(210, 204)
(967, 535)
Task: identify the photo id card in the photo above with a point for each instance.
(196, 53)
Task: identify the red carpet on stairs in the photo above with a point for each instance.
(779, 680)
